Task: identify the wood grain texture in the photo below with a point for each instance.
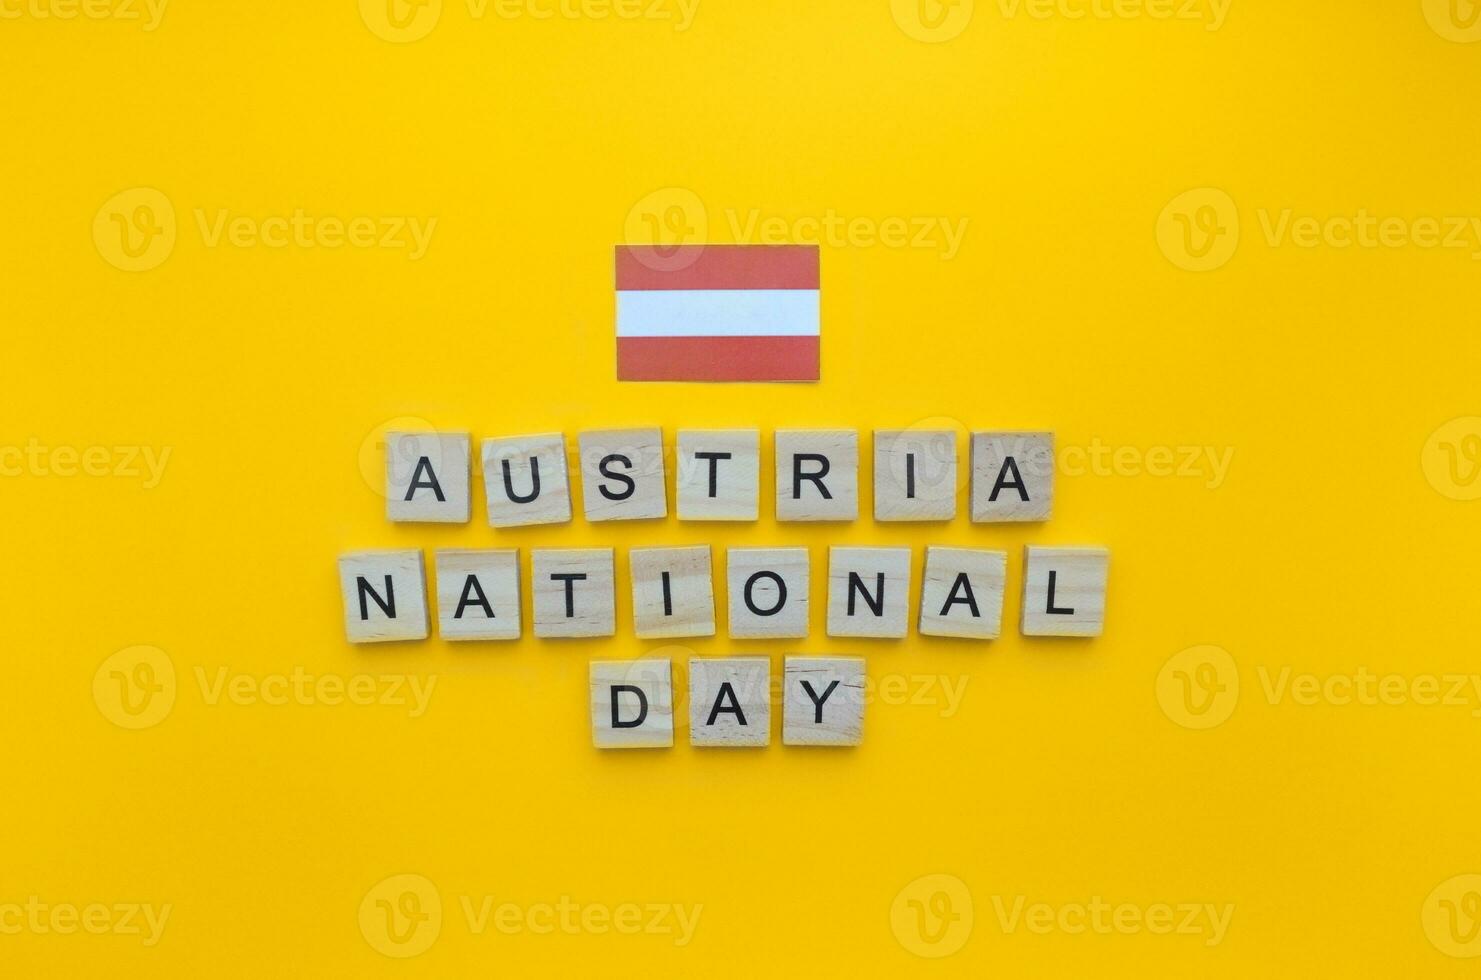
(478, 593)
(427, 477)
(775, 606)
(962, 593)
(511, 466)
(687, 606)
(583, 606)
(730, 702)
(915, 475)
(868, 592)
(643, 701)
(823, 701)
(622, 475)
(385, 596)
(1064, 591)
(718, 489)
(1012, 476)
(832, 495)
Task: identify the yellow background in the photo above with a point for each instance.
(265, 372)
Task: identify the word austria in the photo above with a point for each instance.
(718, 476)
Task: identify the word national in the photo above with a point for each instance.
(870, 591)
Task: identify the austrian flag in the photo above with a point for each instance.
(717, 313)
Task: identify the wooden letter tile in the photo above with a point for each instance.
(427, 477)
(632, 704)
(962, 593)
(672, 592)
(574, 592)
(622, 475)
(719, 474)
(823, 701)
(1012, 476)
(730, 702)
(385, 596)
(767, 589)
(914, 475)
(478, 594)
(1064, 591)
(817, 475)
(868, 591)
(525, 480)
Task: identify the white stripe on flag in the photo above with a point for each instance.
(717, 313)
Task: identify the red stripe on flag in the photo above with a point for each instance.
(717, 358)
(717, 267)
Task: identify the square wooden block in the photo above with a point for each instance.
(478, 594)
(962, 593)
(385, 596)
(719, 474)
(767, 590)
(632, 704)
(823, 701)
(1064, 591)
(525, 480)
(622, 475)
(730, 702)
(868, 591)
(915, 475)
(817, 474)
(574, 592)
(673, 594)
(427, 477)
(1012, 476)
